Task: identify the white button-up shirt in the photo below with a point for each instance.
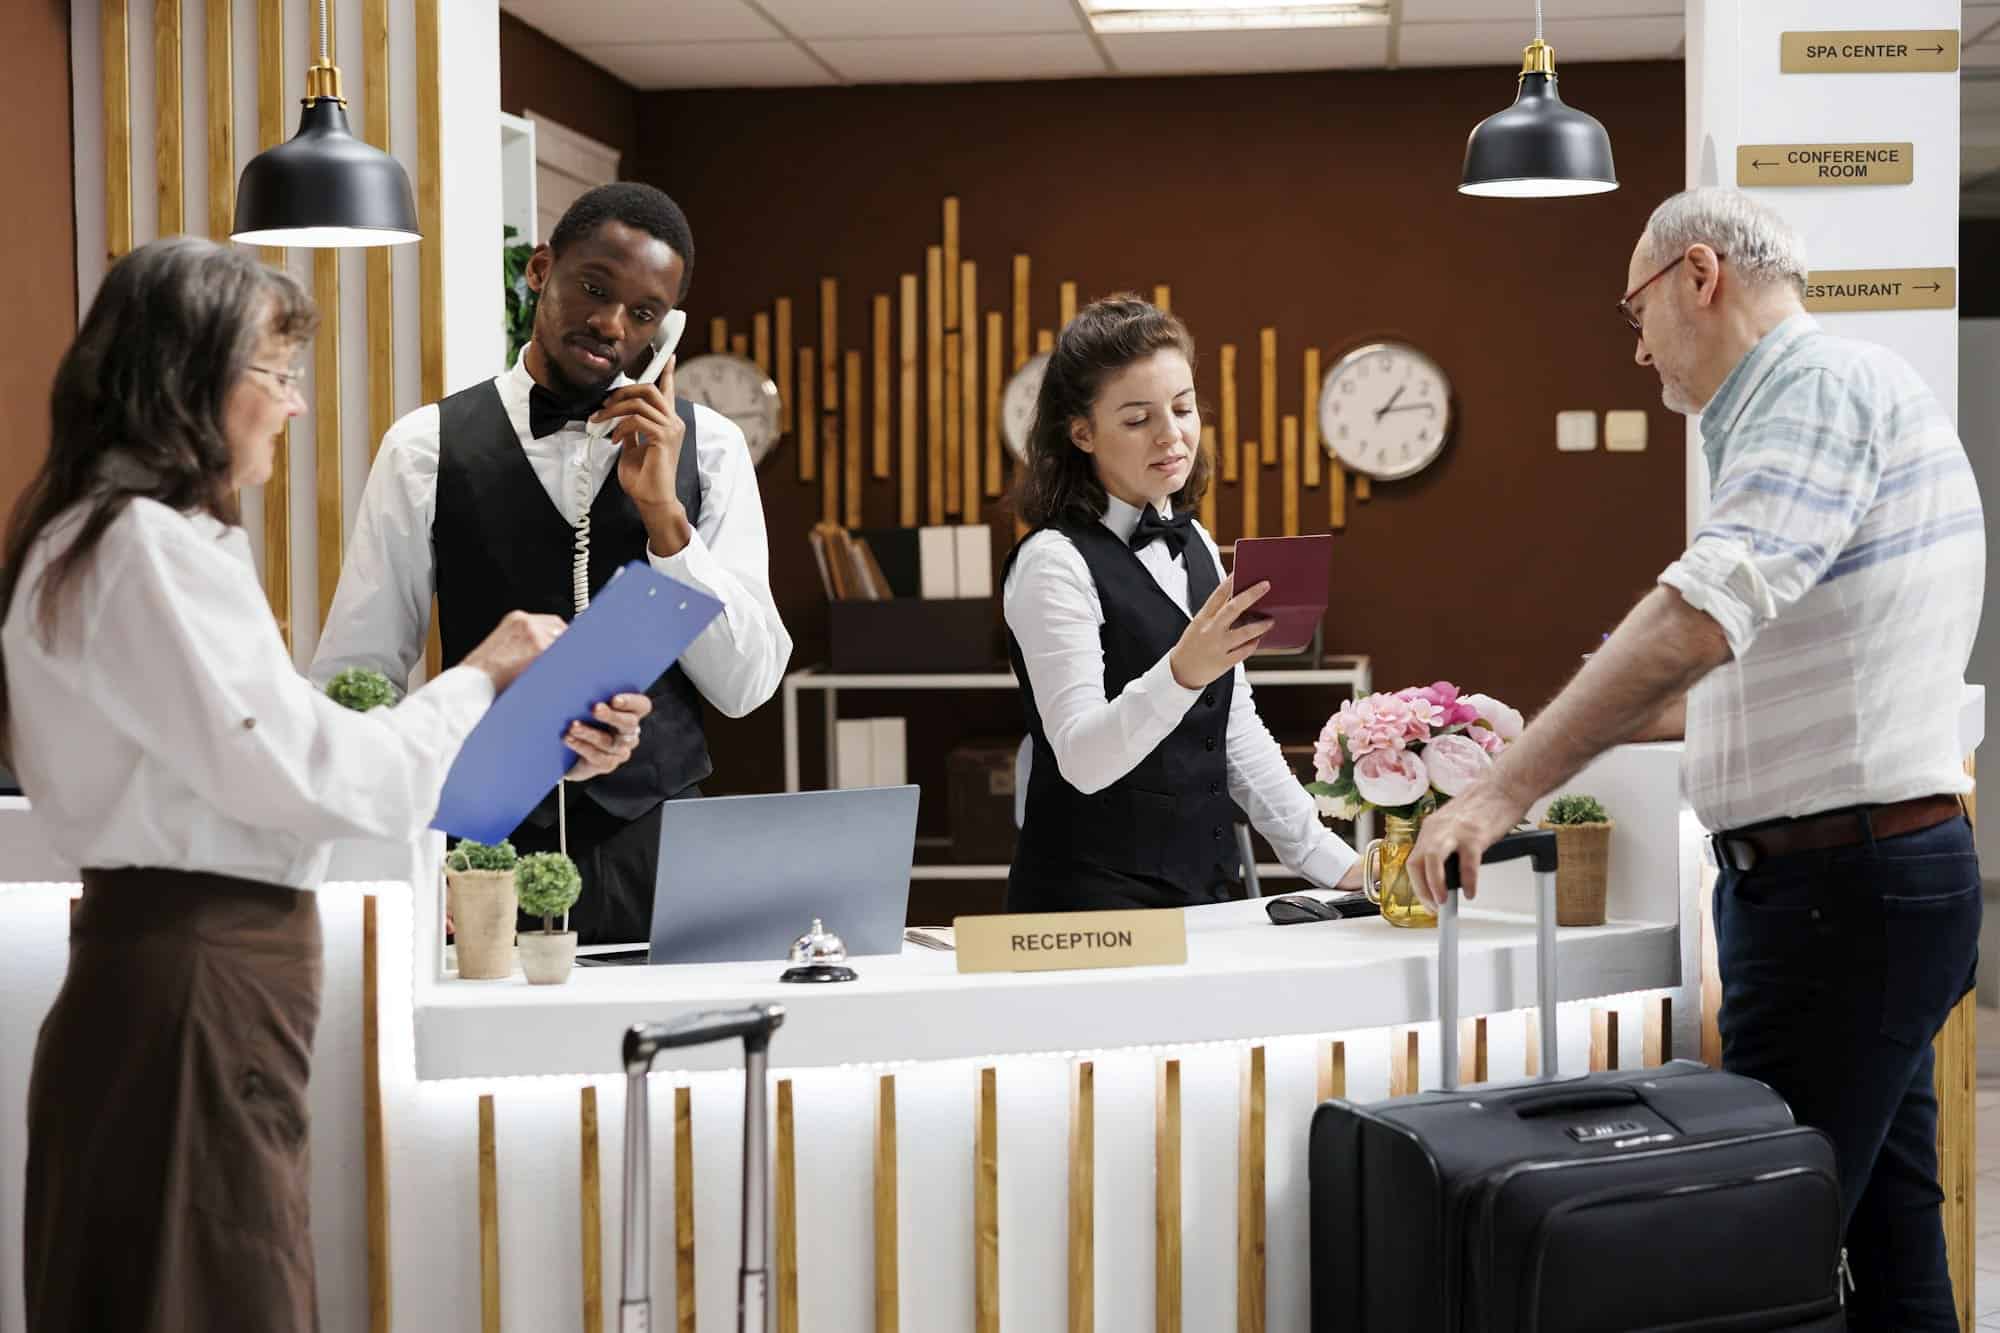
(381, 609)
(1052, 608)
(164, 723)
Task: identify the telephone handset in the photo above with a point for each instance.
(664, 342)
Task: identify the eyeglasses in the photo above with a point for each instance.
(1625, 301)
(291, 380)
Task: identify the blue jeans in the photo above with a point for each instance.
(1838, 968)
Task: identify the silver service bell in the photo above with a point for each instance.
(818, 955)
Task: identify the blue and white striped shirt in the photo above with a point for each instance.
(1844, 556)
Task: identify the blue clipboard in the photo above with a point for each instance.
(636, 627)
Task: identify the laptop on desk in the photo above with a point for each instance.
(741, 877)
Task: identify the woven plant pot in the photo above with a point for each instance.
(482, 919)
(1583, 856)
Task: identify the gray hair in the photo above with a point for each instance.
(1759, 244)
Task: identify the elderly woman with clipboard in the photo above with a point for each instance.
(169, 747)
(1129, 644)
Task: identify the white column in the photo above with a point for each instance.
(1736, 95)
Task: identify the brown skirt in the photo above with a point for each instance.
(168, 1179)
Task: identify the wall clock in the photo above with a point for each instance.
(1385, 410)
(735, 387)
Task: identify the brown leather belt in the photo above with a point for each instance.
(1740, 849)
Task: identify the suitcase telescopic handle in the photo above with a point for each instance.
(1539, 846)
(643, 1041)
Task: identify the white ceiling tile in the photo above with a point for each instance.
(962, 59)
(1575, 40)
(1249, 52)
(921, 18)
(1522, 12)
(607, 21)
(652, 66)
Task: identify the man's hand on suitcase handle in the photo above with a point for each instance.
(1464, 827)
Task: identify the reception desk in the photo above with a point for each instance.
(950, 1152)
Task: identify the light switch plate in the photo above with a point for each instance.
(1576, 432)
(1625, 432)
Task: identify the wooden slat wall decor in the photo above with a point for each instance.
(1957, 1059)
(1214, 481)
(375, 70)
(1045, 341)
(489, 1220)
(326, 425)
(1251, 1220)
(968, 382)
(1267, 392)
(760, 341)
(1405, 1074)
(718, 335)
(1603, 1040)
(954, 456)
(906, 379)
(221, 47)
(590, 1204)
(374, 1141)
(114, 34)
(949, 230)
(1230, 461)
(882, 419)
(1309, 415)
(1659, 1036)
(1472, 1067)
(888, 1285)
(1167, 1198)
(1333, 1070)
(1065, 305)
(1289, 462)
(1022, 330)
(169, 177)
(1163, 297)
(430, 201)
(1246, 470)
(1336, 495)
(785, 1213)
(986, 1204)
(739, 346)
(934, 444)
(1083, 1198)
(1363, 487)
(782, 317)
(829, 463)
(990, 421)
(829, 345)
(684, 1208)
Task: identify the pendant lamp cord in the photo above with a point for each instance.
(326, 42)
(1538, 18)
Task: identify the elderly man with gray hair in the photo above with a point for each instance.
(1812, 642)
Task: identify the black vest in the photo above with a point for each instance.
(499, 545)
(1162, 835)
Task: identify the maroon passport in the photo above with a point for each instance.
(1297, 568)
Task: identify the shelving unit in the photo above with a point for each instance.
(1351, 672)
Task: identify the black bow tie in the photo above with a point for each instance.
(548, 414)
(1173, 531)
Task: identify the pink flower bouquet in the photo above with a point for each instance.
(1409, 752)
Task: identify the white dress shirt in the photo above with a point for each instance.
(165, 724)
(381, 609)
(1052, 608)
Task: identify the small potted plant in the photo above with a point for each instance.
(1583, 855)
(361, 689)
(479, 889)
(548, 884)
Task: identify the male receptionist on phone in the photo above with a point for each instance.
(498, 498)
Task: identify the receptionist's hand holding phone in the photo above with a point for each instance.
(640, 419)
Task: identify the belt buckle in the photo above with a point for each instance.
(1738, 854)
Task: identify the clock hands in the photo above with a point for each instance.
(1407, 407)
(1390, 406)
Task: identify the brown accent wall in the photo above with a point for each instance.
(41, 227)
(1322, 203)
(540, 74)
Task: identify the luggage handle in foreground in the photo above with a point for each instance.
(1540, 847)
(644, 1041)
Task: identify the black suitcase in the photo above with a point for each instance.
(1675, 1198)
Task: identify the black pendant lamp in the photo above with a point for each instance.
(1538, 147)
(324, 188)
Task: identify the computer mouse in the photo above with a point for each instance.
(1293, 909)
